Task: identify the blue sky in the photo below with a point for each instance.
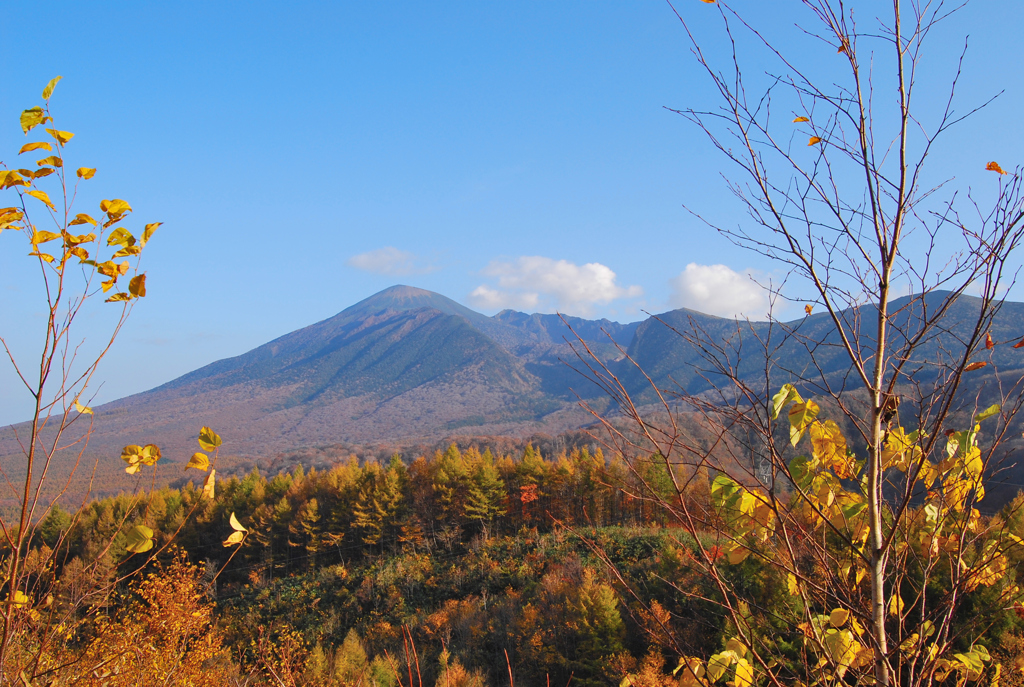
(304, 156)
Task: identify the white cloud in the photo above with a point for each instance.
(719, 290)
(390, 261)
(532, 282)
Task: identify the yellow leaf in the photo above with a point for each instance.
(994, 167)
(43, 236)
(737, 554)
(792, 585)
(86, 172)
(800, 119)
(148, 233)
(11, 177)
(838, 617)
(32, 118)
(140, 539)
(48, 91)
(119, 296)
(209, 485)
(208, 439)
(85, 410)
(800, 416)
(970, 368)
(61, 136)
(814, 140)
(234, 538)
(137, 286)
(50, 160)
(82, 218)
(808, 308)
(41, 145)
(150, 454)
(199, 461)
(744, 676)
(115, 207)
(42, 172)
(41, 195)
(896, 605)
(235, 525)
(42, 256)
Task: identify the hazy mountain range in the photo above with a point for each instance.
(409, 363)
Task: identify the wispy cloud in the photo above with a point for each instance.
(390, 261)
(719, 290)
(536, 282)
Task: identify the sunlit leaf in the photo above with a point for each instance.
(61, 136)
(208, 439)
(40, 145)
(989, 343)
(709, 2)
(235, 525)
(48, 91)
(994, 167)
(32, 118)
(988, 412)
(975, 366)
(115, 207)
(86, 172)
(199, 461)
(127, 251)
(42, 172)
(148, 233)
(42, 256)
(11, 177)
(82, 218)
(838, 617)
(119, 296)
(800, 416)
(139, 539)
(137, 286)
(808, 309)
(234, 538)
(814, 140)
(896, 605)
(842, 49)
(800, 119)
(43, 236)
(120, 237)
(787, 394)
(50, 160)
(209, 484)
(791, 585)
(150, 454)
(744, 675)
(41, 195)
(85, 410)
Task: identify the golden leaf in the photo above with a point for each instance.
(140, 539)
(61, 136)
(82, 218)
(814, 140)
(137, 286)
(838, 617)
(234, 538)
(208, 439)
(42, 172)
(85, 410)
(709, 2)
(32, 118)
(808, 308)
(791, 585)
(48, 91)
(41, 195)
(994, 167)
(115, 207)
(800, 119)
(148, 233)
(975, 366)
(86, 172)
(51, 160)
(10, 177)
(235, 525)
(989, 344)
(41, 145)
(209, 485)
(199, 461)
(119, 296)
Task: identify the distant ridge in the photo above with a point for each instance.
(410, 364)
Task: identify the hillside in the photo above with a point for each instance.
(409, 365)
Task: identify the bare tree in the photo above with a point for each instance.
(876, 534)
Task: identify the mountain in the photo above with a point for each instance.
(409, 364)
